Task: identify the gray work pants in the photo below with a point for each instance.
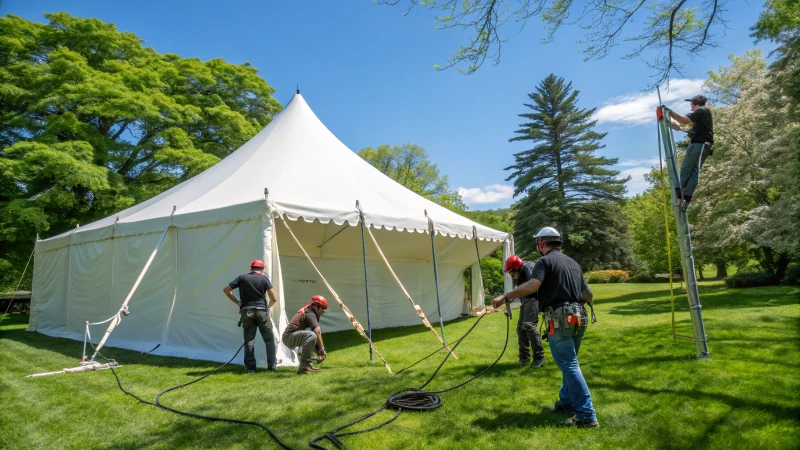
(253, 319)
(305, 340)
(527, 336)
(693, 161)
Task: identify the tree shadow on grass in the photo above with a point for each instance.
(711, 297)
(522, 420)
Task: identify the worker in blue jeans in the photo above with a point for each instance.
(561, 289)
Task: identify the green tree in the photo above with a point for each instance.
(564, 183)
(92, 122)
(750, 190)
(645, 213)
(409, 165)
(669, 31)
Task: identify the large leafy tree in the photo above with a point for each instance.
(749, 195)
(92, 121)
(665, 33)
(409, 165)
(564, 183)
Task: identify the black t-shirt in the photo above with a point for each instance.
(302, 320)
(562, 279)
(702, 126)
(253, 289)
(525, 274)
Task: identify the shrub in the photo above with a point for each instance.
(608, 276)
(741, 280)
(792, 276)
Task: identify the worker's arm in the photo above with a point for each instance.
(229, 292)
(675, 125)
(320, 344)
(683, 120)
(588, 296)
(273, 298)
(523, 290)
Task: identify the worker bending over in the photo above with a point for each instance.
(527, 336)
(304, 332)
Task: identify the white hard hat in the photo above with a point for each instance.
(549, 234)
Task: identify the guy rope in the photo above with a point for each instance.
(417, 308)
(346, 310)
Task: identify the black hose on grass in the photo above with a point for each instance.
(408, 399)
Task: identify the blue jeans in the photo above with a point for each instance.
(564, 346)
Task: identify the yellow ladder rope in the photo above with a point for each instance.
(408, 296)
(346, 310)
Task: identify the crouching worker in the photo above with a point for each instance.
(254, 312)
(303, 332)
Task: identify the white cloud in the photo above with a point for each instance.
(493, 193)
(637, 184)
(638, 162)
(640, 108)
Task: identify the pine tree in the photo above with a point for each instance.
(564, 183)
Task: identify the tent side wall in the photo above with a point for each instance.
(388, 305)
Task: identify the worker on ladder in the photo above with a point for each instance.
(701, 138)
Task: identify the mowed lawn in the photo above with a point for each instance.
(648, 391)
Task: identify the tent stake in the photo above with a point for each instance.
(436, 275)
(366, 279)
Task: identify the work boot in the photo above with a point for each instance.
(558, 408)
(523, 362)
(537, 363)
(574, 422)
(305, 367)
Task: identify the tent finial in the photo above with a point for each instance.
(298, 88)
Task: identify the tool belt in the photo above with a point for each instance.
(569, 314)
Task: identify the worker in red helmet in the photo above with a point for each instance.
(254, 287)
(305, 334)
(527, 337)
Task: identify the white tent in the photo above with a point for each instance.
(219, 221)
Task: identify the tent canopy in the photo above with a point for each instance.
(309, 173)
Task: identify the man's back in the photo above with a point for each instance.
(253, 289)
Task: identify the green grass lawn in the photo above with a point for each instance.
(648, 391)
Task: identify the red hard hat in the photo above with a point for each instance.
(257, 263)
(513, 262)
(320, 300)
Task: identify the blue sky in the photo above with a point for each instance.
(367, 72)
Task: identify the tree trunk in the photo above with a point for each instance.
(780, 266)
(722, 270)
(700, 272)
(769, 259)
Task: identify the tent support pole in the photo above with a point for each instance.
(480, 272)
(123, 310)
(366, 278)
(436, 275)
